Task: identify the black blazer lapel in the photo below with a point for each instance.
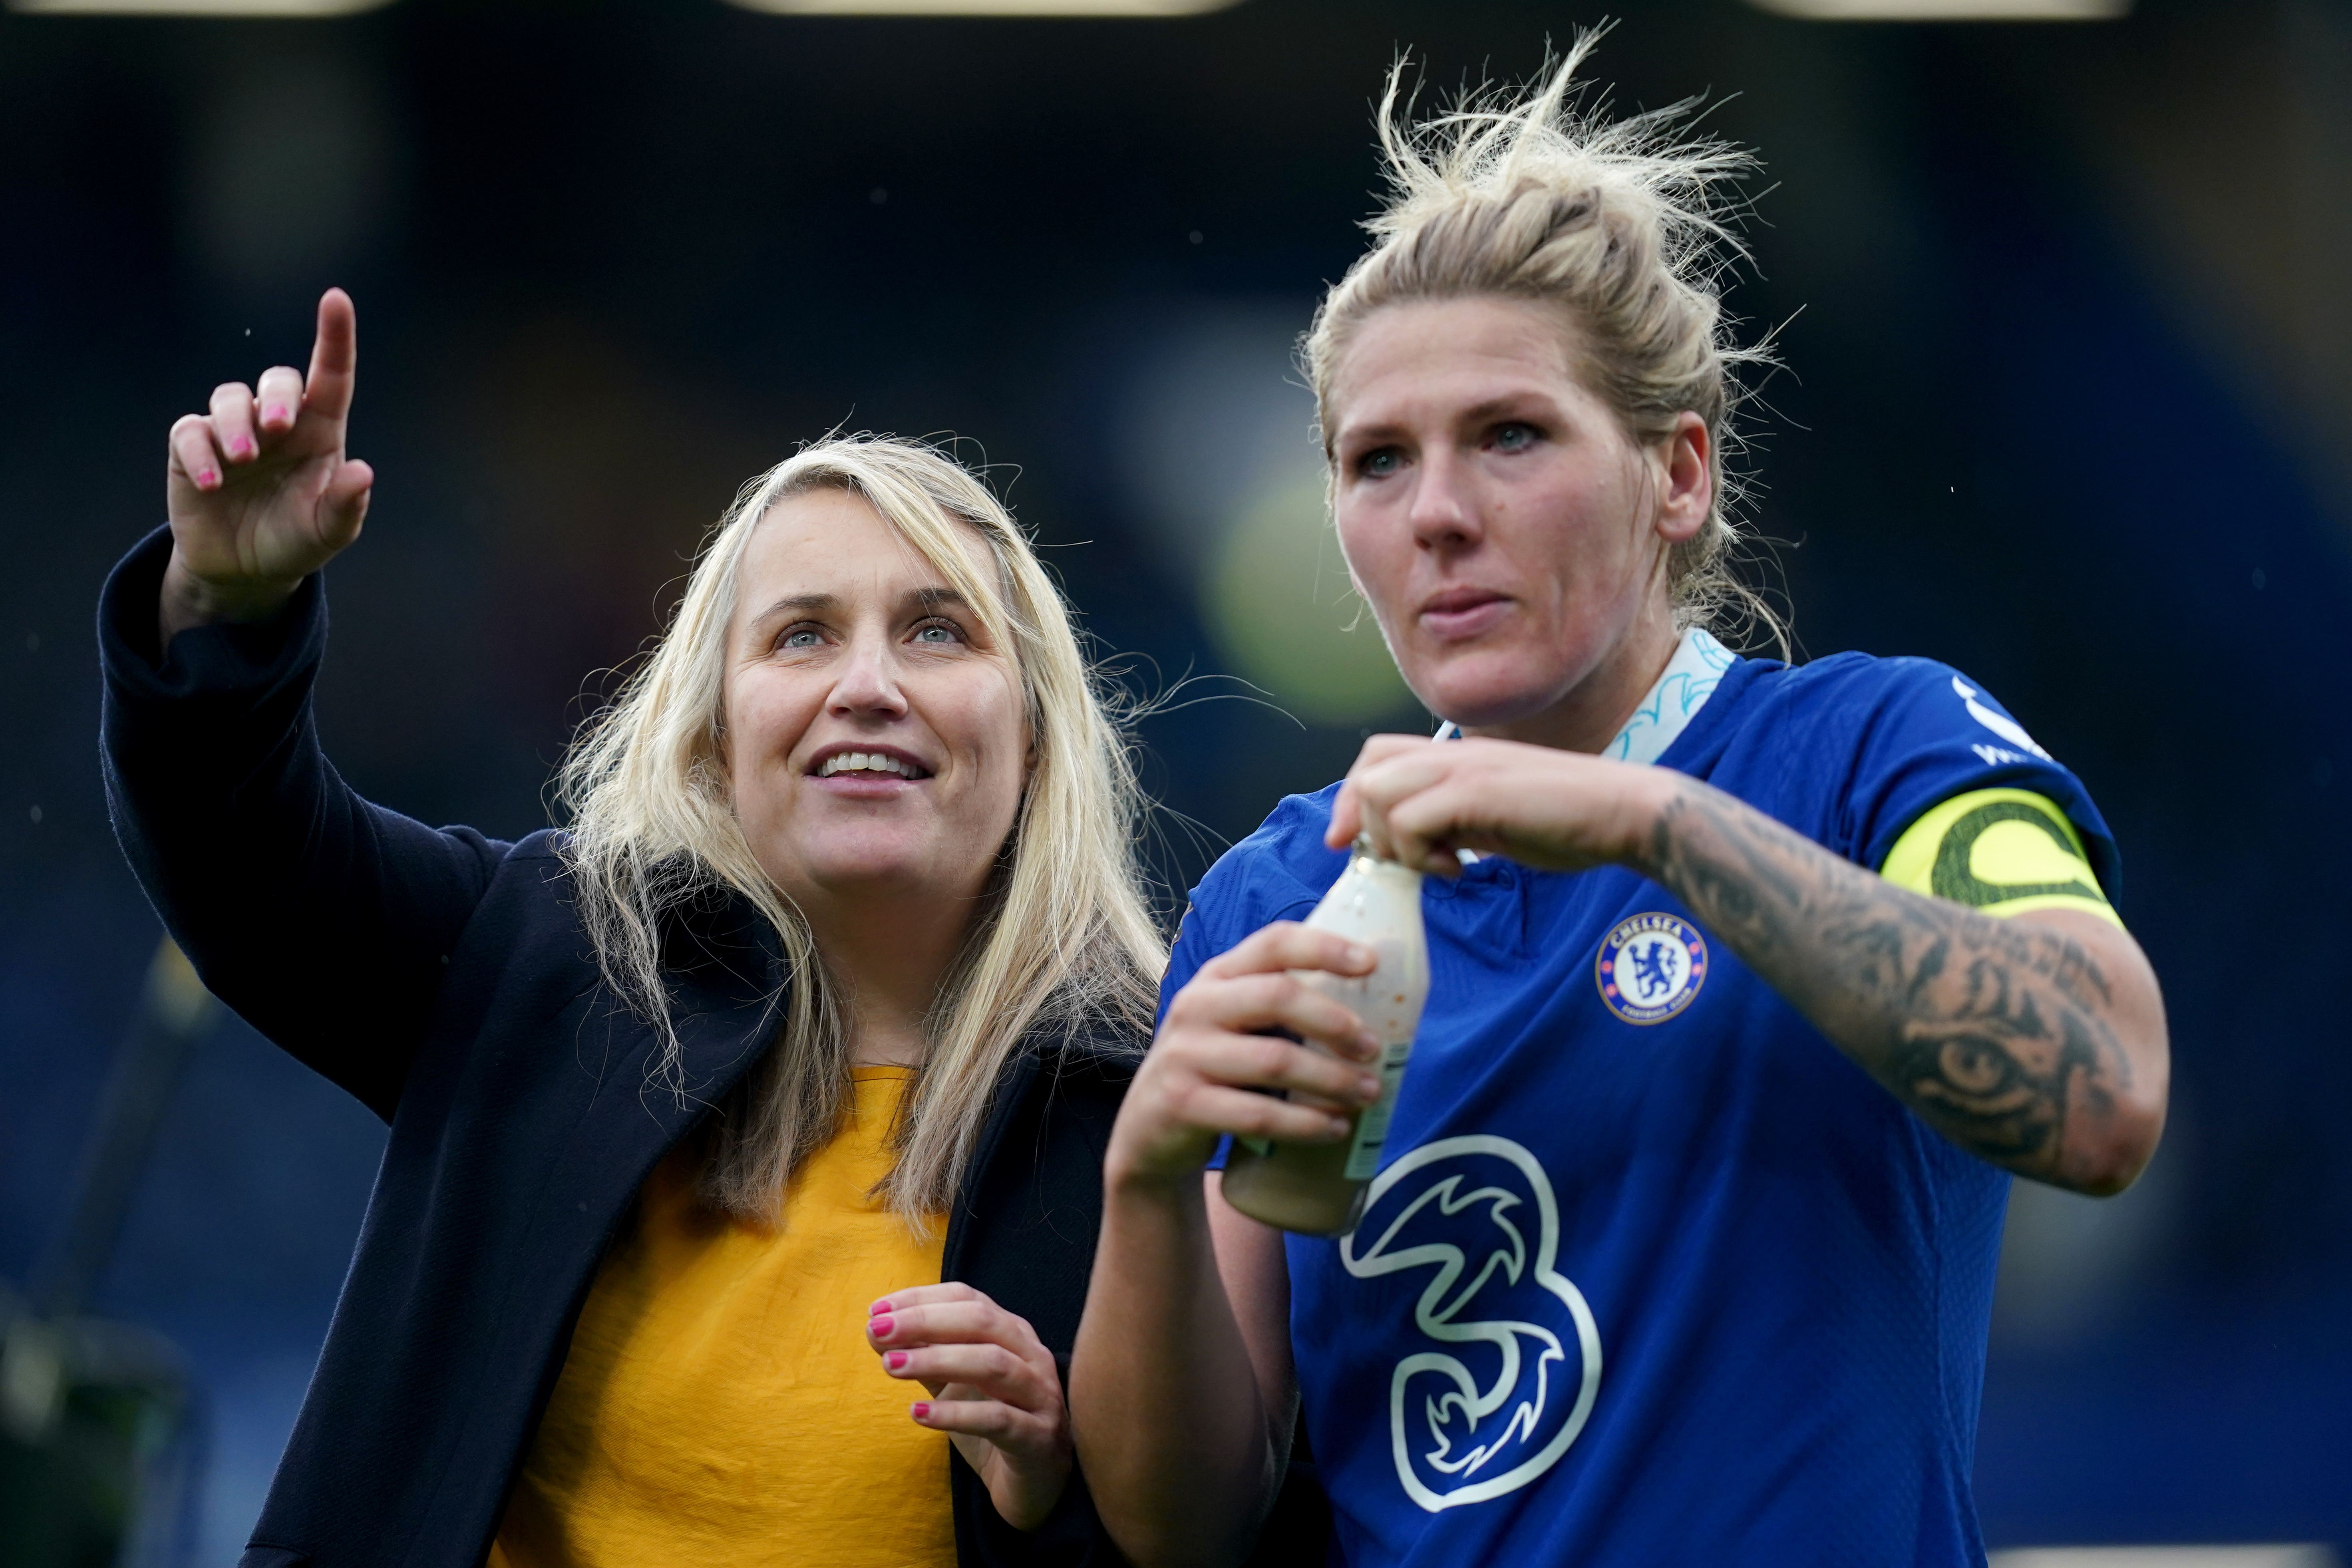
(629, 1123)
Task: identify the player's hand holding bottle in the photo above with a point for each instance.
(1546, 808)
(261, 492)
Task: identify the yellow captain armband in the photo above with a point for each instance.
(2000, 851)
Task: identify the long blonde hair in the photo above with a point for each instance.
(1623, 226)
(1062, 939)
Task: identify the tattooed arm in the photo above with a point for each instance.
(2035, 1042)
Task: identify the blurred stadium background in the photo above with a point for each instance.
(2070, 406)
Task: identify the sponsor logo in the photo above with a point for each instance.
(2000, 724)
(1512, 1362)
(1651, 967)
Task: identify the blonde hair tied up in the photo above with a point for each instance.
(1623, 226)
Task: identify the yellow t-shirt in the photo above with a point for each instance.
(719, 1404)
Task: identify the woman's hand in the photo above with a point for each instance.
(1214, 1051)
(1552, 810)
(994, 1389)
(259, 492)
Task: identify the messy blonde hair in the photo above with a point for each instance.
(1061, 940)
(1620, 226)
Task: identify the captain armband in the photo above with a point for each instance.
(2000, 851)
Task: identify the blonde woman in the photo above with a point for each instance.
(1751, 986)
(771, 1094)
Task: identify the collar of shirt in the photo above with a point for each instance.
(1665, 709)
(1681, 689)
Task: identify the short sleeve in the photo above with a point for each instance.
(2000, 851)
(1276, 873)
(1253, 884)
(1194, 947)
(1928, 736)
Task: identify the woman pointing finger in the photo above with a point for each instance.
(721, 1118)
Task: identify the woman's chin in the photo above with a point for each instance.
(878, 875)
(1489, 687)
(844, 863)
(1479, 700)
(871, 864)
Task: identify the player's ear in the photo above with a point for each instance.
(1684, 467)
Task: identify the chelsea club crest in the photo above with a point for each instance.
(1651, 967)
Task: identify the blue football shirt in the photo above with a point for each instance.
(1652, 1273)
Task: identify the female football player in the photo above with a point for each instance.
(1751, 987)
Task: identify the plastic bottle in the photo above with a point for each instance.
(1318, 1189)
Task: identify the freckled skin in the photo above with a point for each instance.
(1470, 457)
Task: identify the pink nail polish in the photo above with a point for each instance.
(923, 1410)
(895, 1360)
(882, 1326)
(207, 480)
(274, 414)
(241, 446)
(879, 1309)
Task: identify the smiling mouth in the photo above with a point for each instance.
(869, 763)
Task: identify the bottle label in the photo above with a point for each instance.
(1389, 1009)
(1372, 1127)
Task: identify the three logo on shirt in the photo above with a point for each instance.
(1503, 1373)
(1503, 1368)
(1651, 967)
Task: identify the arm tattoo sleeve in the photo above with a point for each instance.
(1998, 1035)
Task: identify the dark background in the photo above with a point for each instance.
(2069, 405)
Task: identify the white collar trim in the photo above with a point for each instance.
(1689, 678)
(1665, 711)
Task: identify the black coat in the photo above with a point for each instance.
(443, 978)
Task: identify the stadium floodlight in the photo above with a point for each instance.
(219, 8)
(985, 7)
(1948, 10)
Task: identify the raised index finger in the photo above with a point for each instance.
(334, 358)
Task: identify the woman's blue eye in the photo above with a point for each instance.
(804, 638)
(937, 632)
(1381, 464)
(1515, 437)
